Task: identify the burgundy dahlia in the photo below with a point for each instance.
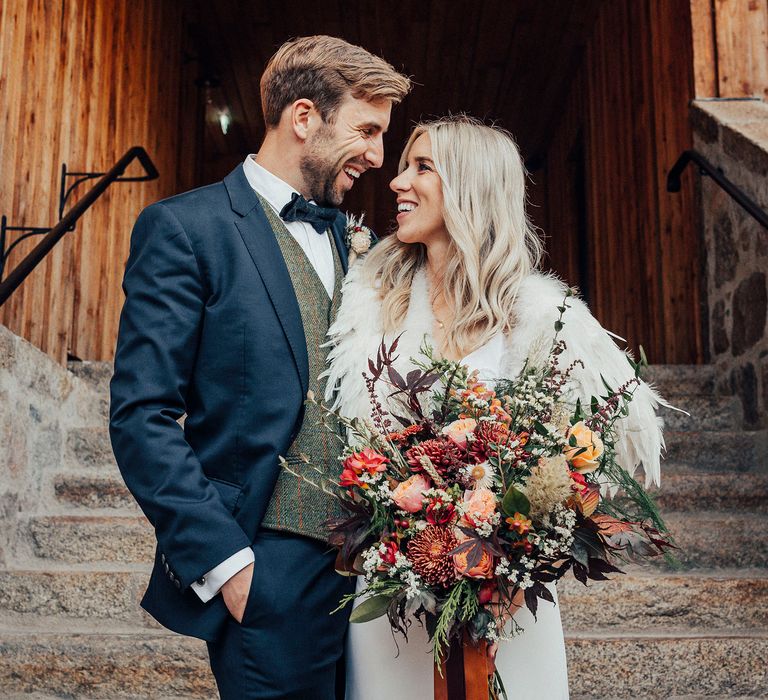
(429, 552)
(487, 432)
(444, 455)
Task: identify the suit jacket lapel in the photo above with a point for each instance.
(339, 231)
(266, 255)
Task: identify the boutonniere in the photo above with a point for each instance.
(359, 238)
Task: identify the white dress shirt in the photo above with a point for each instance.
(318, 250)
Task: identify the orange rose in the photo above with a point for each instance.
(483, 569)
(479, 506)
(585, 454)
(409, 494)
(458, 430)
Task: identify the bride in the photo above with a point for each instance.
(462, 272)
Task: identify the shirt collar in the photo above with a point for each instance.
(276, 191)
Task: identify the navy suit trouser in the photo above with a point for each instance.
(288, 646)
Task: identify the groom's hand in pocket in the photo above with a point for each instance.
(235, 592)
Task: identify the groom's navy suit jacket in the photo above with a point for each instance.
(210, 328)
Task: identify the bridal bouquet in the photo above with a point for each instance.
(460, 495)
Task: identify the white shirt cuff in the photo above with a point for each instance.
(210, 584)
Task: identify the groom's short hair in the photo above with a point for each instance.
(325, 69)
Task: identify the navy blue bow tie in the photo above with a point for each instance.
(299, 209)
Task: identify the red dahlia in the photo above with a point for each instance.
(444, 455)
(429, 551)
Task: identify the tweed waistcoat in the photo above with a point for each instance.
(297, 506)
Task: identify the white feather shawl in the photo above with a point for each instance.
(357, 333)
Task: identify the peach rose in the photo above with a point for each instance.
(458, 430)
(409, 494)
(589, 447)
(483, 569)
(479, 506)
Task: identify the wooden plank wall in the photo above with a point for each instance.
(613, 229)
(730, 43)
(82, 82)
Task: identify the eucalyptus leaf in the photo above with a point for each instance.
(371, 608)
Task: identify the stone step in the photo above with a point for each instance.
(78, 539)
(88, 490)
(705, 413)
(718, 539)
(98, 665)
(716, 491)
(679, 491)
(641, 599)
(154, 664)
(706, 538)
(667, 666)
(40, 599)
(719, 451)
(681, 380)
(89, 447)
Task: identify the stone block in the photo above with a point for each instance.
(78, 539)
(667, 666)
(747, 144)
(706, 413)
(96, 374)
(101, 665)
(89, 447)
(750, 303)
(731, 111)
(89, 491)
(726, 256)
(7, 348)
(697, 491)
(655, 602)
(709, 539)
(681, 380)
(87, 595)
(720, 341)
(720, 451)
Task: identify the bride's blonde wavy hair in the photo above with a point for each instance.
(493, 245)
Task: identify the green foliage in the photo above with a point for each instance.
(515, 501)
(371, 608)
(457, 608)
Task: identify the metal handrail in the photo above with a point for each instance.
(707, 168)
(67, 222)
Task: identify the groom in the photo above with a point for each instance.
(230, 290)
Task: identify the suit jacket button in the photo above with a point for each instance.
(162, 557)
(201, 581)
(177, 583)
(167, 568)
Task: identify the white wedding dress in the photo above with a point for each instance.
(533, 663)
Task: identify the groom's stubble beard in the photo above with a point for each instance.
(319, 169)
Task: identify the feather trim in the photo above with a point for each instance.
(357, 332)
(640, 439)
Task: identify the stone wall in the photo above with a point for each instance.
(40, 404)
(733, 135)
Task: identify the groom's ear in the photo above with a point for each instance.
(304, 118)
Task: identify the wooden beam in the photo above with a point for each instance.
(704, 48)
